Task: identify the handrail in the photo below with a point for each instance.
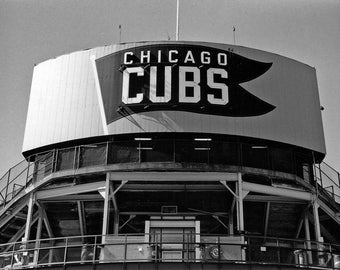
(169, 247)
(331, 168)
(326, 181)
(9, 179)
(21, 179)
(83, 237)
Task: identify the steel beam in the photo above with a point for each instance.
(220, 221)
(222, 214)
(317, 229)
(231, 217)
(75, 197)
(156, 187)
(316, 220)
(131, 217)
(173, 176)
(240, 211)
(240, 202)
(39, 227)
(118, 188)
(307, 236)
(268, 198)
(81, 216)
(283, 192)
(329, 211)
(113, 198)
(12, 213)
(224, 183)
(20, 233)
(38, 236)
(57, 192)
(299, 227)
(324, 231)
(46, 221)
(31, 203)
(115, 206)
(106, 210)
(266, 219)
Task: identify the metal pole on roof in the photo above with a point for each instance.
(177, 21)
(234, 30)
(120, 33)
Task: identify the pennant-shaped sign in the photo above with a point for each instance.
(177, 77)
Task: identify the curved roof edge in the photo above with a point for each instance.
(125, 45)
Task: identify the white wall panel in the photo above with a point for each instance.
(64, 105)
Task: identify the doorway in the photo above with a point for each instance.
(173, 240)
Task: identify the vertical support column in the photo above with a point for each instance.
(29, 216)
(267, 219)
(316, 220)
(240, 203)
(106, 208)
(238, 208)
(240, 212)
(81, 217)
(107, 153)
(115, 209)
(231, 217)
(307, 235)
(45, 220)
(37, 237)
(317, 229)
(116, 222)
(48, 229)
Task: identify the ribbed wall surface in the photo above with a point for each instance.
(64, 104)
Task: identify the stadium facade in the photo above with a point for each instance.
(172, 155)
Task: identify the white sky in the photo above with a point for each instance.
(32, 31)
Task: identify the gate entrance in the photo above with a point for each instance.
(173, 239)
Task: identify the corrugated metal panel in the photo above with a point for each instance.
(64, 105)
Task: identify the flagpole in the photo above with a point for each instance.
(120, 34)
(177, 21)
(234, 35)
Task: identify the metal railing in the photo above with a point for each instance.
(20, 176)
(168, 248)
(14, 181)
(201, 151)
(328, 179)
